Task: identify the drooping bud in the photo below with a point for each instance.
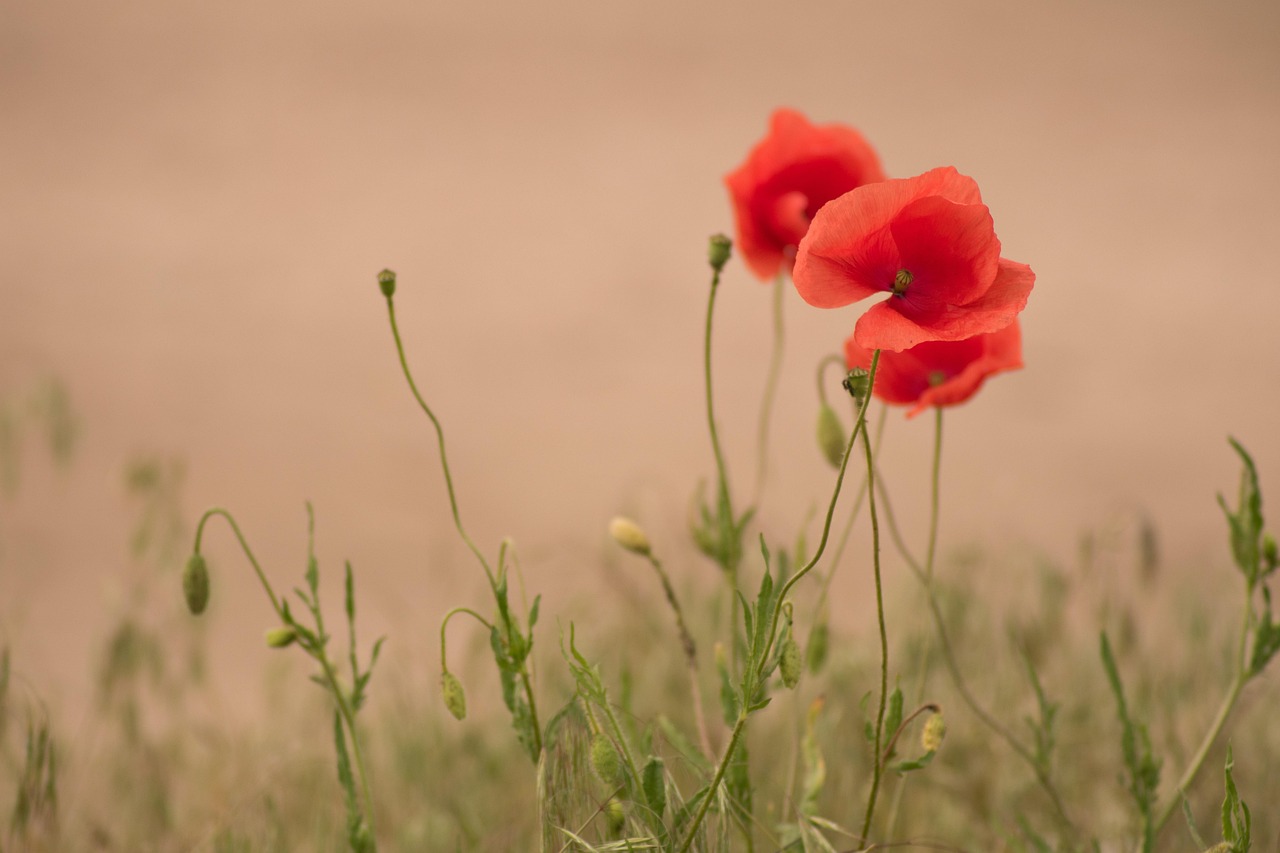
(830, 435)
(816, 653)
(387, 283)
(605, 761)
(719, 249)
(616, 816)
(195, 584)
(279, 638)
(789, 664)
(629, 535)
(455, 699)
(935, 729)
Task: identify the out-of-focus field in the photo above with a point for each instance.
(197, 198)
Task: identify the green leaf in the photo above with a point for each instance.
(1246, 522)
(1237, 823)
(653, 783)
(533, 613)
(915, 764)
(350, 590)
(1199, 842)
(893, 716)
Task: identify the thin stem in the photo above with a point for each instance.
(878, 769)
(690, 655)
(853, 517)
(932, 550)
(348, 717)
(859, 426)
(445, 622)
(925, 576)
(822, 372)
(444, 459)
(734, 737)
(770, 385)
(244, 545)
(722, 476)
(1238, 682)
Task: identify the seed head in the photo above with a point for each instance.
(387, 283)
(629, 535)
(195, 584)
(719, 249)
(455, 699)
(605, 761)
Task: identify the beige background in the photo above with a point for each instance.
(196, 198)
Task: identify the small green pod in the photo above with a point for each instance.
(831, 435)
(195, 584)
(279, 638)
(455, 698)
(605, 761)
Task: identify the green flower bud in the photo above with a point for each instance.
(616, 816)
(935, 729)
(195, 584)
(605, 761)
(455, 699)
(718, 251)
(816, 653)
(387, 283)
(629, 535)
(278, 638)
(789, 663)
(830, 435)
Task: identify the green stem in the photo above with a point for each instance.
(932, 550)
(770, 386)
(348, 718)
(1238, 682)
(244, 545)
(690, 654)
(444, 459)
(878, 768)
(444, 624)
(859, 425)
(722, 476)
(698, 817)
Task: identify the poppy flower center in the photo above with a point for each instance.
(901, 281)
(936, 378)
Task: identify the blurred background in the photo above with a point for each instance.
(197, 198)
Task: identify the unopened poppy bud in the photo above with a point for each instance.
(278, 638)
(455, 699)
(935, 729)
(629, 535)
(195, 584)
(856, 383)
(387, 283)
(718, 251)
(816, 653)
(605, 761)
(830, 435)
(615, 815)
(789, 663)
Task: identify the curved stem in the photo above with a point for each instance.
(822, 373)
(244, 545)
(770, 386)
(859, 425)
(444, 459)
(445, 622)
(878, 769)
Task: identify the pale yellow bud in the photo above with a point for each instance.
(278, 638)
(629, 535)
(935, 729)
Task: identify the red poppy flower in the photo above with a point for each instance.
(786, 178)
(929, 242)
(939, 373)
